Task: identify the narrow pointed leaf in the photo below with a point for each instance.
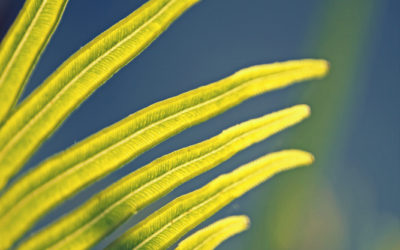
(212, 236)
(116, 145)
(21, 48)
(45, 109)
(61, 176)
(161, 229)
(113, 206)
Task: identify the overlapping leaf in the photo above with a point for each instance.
(45, 109)
(210, 237)
(22, 46)
(63, 175)
(111, 207)
(168, 224)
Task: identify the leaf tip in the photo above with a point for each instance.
(322, 66)
(304, 157)
(309, 158)
(304, 110)
(315, 67)
(298, 158)
(246, 221)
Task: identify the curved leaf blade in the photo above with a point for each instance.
(118, 144)
(50, 104)
(212, 236)
(168, 224)
(110, 208)
(61, 176)
(22, 46)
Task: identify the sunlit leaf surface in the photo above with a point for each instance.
(168, 224)
(111, 207)
(48, 106)
(21, 48)
(210, 237)
(63, 175)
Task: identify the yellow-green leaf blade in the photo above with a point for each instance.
(168, 224)
(113, 206)
(49, 105)
(65, 174)
(213, 235)
(111, 148)
(148, 127)
(23, 45)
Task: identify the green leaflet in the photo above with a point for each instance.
(146, 128)
(210, 237)
(65, 174)
(168, 224)
(45, 109)
(22, 46)
(111, 207)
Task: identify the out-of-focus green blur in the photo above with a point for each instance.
(314, 209)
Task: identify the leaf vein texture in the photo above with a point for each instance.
(156, 179)
(211, 236)
(33, 192)
(42, 112)
(165, 226)
(22, 47)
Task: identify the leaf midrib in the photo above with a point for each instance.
(22, 42)
(129, 195)
(142, 130)
(213, 236)
(65, 88)
(115, 145)
(209, 199)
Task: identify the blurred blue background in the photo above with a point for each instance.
(349, 199)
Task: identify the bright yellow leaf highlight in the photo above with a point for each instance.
(210, 237)
(113, 206)
(161, 229)
(21, 48)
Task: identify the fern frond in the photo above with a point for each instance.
(168, 224)
(49, 105)
(22, 46)
(210, 237)
(113, 206)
